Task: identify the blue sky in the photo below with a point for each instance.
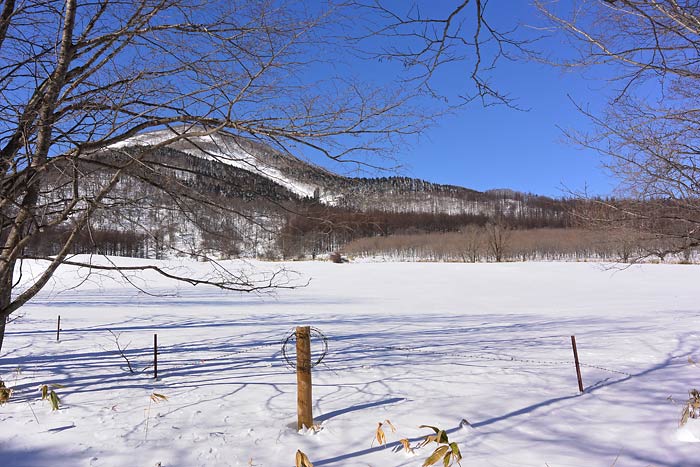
(498, 147)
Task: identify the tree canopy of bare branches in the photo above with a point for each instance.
(426, 37)
(648, 133)
(78, 79)
(645, 51)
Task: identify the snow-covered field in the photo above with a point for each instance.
(414, 343)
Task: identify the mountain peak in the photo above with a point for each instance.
(238, 151)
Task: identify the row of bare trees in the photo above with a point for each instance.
(594, 231)
(496, 243)
(643, 51)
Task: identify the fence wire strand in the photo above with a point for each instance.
(425, 351)
(494, 358)
(201, 361)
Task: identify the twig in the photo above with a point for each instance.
(33, 413)
(121, 351)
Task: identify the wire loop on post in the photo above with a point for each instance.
(289, 344)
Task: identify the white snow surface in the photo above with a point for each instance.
(414, 343)
(690, 431)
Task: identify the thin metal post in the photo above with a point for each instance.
(155, 356)
(58, 329)
(578, 366)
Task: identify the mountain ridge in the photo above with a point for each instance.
(225, 195)
(308, 180)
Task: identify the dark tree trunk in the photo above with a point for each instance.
(5, 298)
(3, 320)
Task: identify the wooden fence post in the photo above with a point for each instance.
(304, 400)
(58, 329)
(578, 367)
(155, 356)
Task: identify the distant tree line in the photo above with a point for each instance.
(214, 209)
(314, 228)
(106, 242)
(494, 243)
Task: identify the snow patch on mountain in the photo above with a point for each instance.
(234, 151)
(306, 180)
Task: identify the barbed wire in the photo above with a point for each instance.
(606, 369)
(164, 366)
(481, 356)
(286, 352)
(313, 332)
(283, 343)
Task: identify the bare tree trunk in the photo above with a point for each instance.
(498, 237)
(2, 329)
(5, 298)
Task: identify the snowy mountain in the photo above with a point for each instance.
(259, 159)
(306, 180)
(226, 195)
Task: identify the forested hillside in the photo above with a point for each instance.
(227, 197)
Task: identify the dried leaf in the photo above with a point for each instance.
(379, 436)
(406, 444)
(155, 397)
(55, 401)
(44, 392)
(302, 460)
(428, 439)
(456, 453)
(691, 407)
(391, 425)
(316, 427)
(684, 416)
(436, 430)
(436, 456)
(5, 394)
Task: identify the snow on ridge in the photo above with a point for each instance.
(227, 150)
(267, 162)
